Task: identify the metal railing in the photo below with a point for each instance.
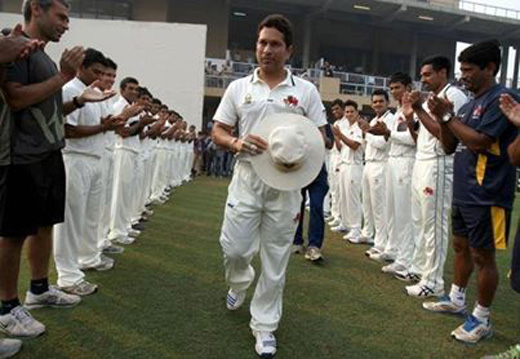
(350, 83)
(476, 7)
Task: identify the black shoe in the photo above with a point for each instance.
(139, 227)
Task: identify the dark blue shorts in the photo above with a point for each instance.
(484, 227)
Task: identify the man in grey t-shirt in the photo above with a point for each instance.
(35, 183)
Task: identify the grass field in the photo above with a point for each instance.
(166, 299)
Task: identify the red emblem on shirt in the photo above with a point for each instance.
(478, 111)
(428, 191)
(291, 101)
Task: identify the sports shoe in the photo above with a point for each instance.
(359, 240)
(297, 249)
(371, 250)
(139, 227)
(133, 233)
(54, 297)
(472, 330)
(393, 268)
(381, 257)
(112, 249)
(9, 347)
(265, 345)
(339, 228)
(82, 289)
(124, 240)
(423, 291)
(106, 263)
(408, 277)
(445, 305)
(235, 300)
(334, 222)
(512, 353)
(148, 212)
(20, 323)
(313, 254)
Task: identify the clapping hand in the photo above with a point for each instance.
(363, 124)
(111, 123)
(94, 94)
(70, 62)
(379, 129)
(439, 106)
(15, 46)
(510, 108)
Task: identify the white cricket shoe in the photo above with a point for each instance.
(339, 228)
(20, 323)
(381, 257)
(124, 240)
(235, 300)
(54, 297)
(372, 250)
(393, 268)
(9, 347)
(445, 306)
(472, 330)
(265, 345)
(423, 291)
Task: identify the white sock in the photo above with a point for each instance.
(481, 313)
(458, 295)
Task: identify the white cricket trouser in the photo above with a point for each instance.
(123, 193)
(374, 203)
(137, 185)
(350, 178)
(76, 239)
(107, 182)
(259, 218)
(158, 182)
(335, 197)
(432, 186)
(398, 209)
(150, 166)
(326, 201)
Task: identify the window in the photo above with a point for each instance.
(101, 9)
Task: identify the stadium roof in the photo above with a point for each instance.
(414, 15)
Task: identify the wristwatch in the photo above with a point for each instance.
(76, 103)
(447, 117)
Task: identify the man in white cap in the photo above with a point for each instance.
(259, 217)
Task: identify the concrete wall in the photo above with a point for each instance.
(166, 58)
(213, 13)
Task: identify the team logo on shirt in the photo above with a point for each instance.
(291, 101)
(478, 112)
(248, 99)
(428, 191)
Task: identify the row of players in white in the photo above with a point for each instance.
(402, 195)
(109, 181)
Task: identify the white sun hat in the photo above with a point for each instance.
(295, 155)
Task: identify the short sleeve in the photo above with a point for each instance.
(227, 110)
(458, 98)
(493, 122)
(68, 93)
(316, 111)
(18, 72)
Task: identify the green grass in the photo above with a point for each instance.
(166, 299)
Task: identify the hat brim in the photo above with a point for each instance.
(264, 166)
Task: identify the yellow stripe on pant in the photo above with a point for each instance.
(498, 219)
